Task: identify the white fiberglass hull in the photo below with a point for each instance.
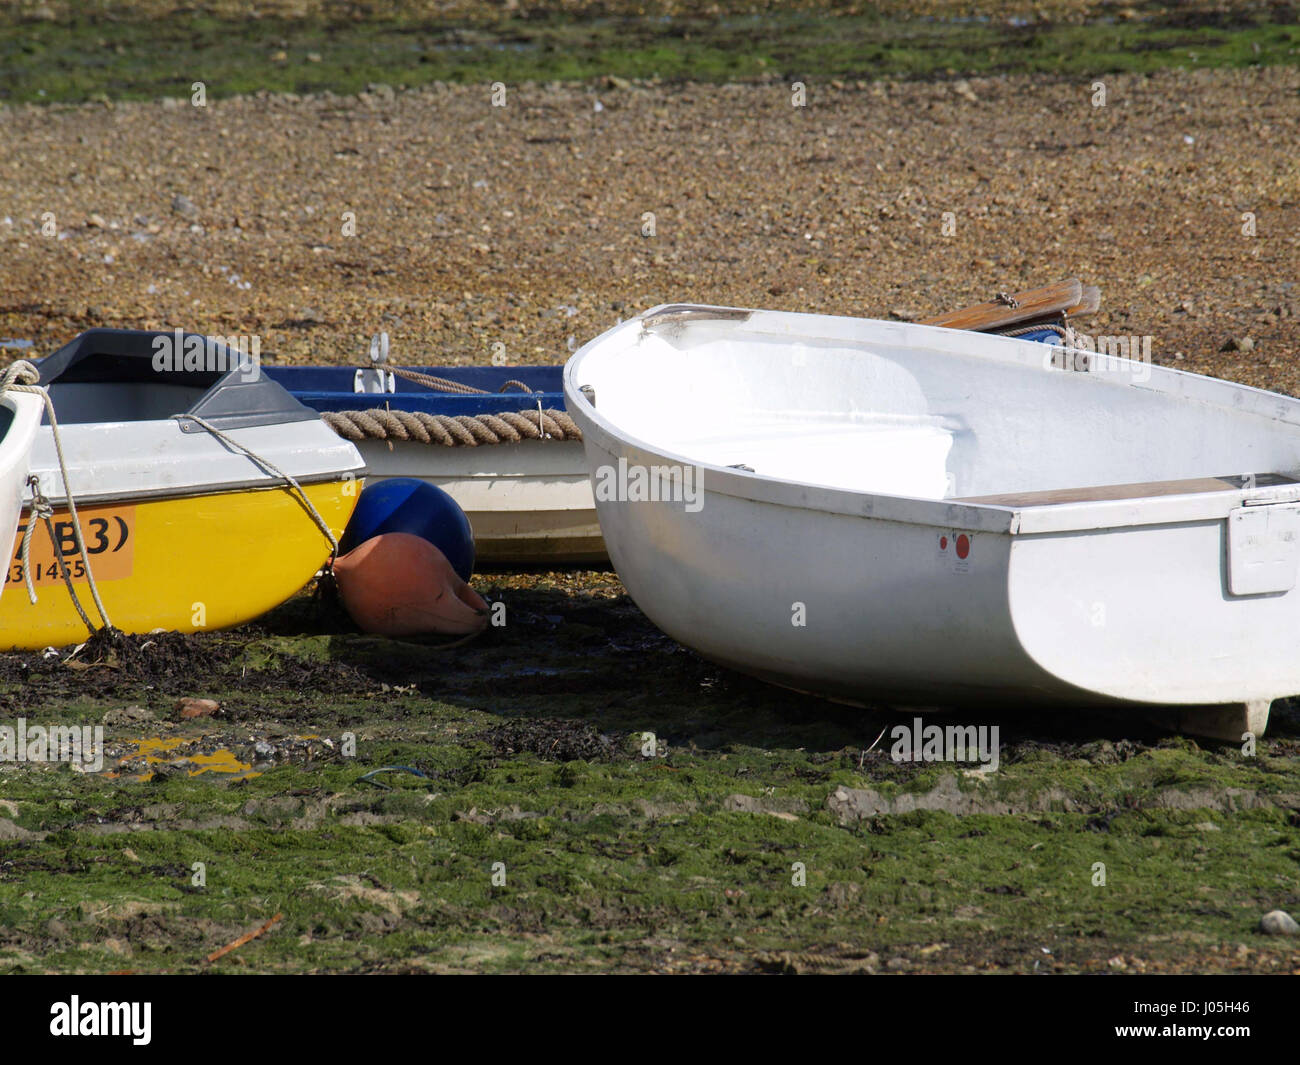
(528, 503)
(22, 418)
(827, 575)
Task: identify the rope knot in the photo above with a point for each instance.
(18, 374)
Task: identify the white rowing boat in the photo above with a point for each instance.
(876, 511)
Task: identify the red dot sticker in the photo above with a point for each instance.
(943, 543)
(963, 545)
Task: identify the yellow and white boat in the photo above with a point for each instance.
(178, 451)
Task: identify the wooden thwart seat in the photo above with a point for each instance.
(1142, 490)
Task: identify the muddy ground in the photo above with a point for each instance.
(529, 747)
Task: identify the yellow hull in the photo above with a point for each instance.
(189, 564)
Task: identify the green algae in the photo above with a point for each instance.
(120, 58)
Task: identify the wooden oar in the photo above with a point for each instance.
(1031, 304)
(1090, 304)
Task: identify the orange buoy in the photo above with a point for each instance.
(399, 584)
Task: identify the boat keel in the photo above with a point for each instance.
(1228, 722)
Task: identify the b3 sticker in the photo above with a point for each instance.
(109, 535)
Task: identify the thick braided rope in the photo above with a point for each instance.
(509, 427)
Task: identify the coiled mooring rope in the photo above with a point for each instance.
(443, 430)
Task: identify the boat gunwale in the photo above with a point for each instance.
(941, 513)
(24, 406)
(411, 396)
(352, 466)
(157, 495)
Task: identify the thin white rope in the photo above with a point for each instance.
(22, 376)
(270, 468)
(41, 510)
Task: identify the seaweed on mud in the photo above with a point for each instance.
(110, 663)
(153, 658)
(551, 739)
(115, 664)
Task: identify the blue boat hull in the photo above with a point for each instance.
(332, 388)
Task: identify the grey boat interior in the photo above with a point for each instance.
(132, 375)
